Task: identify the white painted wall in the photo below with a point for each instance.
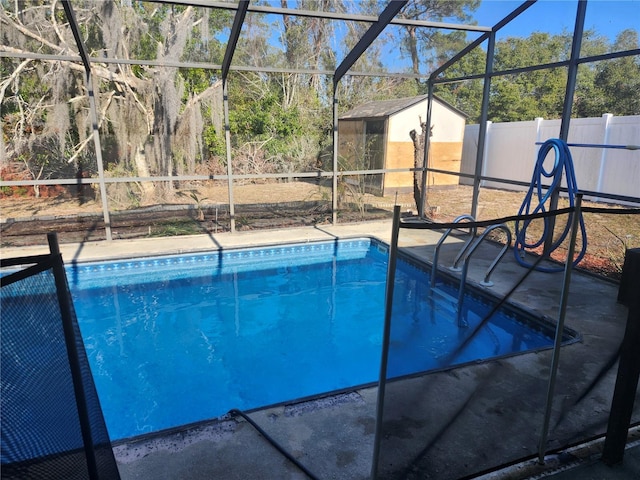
(511, 152)
(448, 125)
(403, 122)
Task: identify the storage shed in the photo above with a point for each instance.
(376, 136)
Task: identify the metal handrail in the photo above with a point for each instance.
(454, 267)
(436, 252)
(465, 266)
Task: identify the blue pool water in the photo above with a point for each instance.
(180, 339)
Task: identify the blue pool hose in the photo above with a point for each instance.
(600, 145)
(563, 164)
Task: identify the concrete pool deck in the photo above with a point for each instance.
(450, 424)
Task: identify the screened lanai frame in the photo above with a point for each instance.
(377, 26)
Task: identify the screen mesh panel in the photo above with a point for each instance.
(52, 423)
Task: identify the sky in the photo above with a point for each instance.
(607, 17)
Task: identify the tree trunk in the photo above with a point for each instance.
(413, 49)
(142, 170)
(418, 161)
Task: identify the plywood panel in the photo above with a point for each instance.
(444, 156)
(399, 155)
(398, 180)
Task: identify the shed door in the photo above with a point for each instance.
(374, 154)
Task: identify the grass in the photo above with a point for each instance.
(174, 228)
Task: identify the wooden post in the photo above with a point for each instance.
(629, 366)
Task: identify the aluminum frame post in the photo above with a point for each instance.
(93, 112)
(555, 360)
(388, 307)
(425, 156)
(227, 140)
(238, 21)
(335, 166)
(572, 74)
(482, 134)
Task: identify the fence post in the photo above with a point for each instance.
(487, 143)
(629, 366)
(538, 126)
(606, 120)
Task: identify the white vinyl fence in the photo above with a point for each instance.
(511, 153)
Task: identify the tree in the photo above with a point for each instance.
(419, 43)
(616, 82)
(167, 120)
(419, 140)
(149, 115)
(305, 39)
(465, 95)
(540, 93)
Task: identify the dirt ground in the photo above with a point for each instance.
(205, 208)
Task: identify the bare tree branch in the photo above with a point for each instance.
(99, 70)
(54, 22)
(30, 34)
(196, 99)
(103, 113)
(14, 75)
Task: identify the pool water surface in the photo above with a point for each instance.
(180, 339)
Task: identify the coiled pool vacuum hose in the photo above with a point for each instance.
(563, 163)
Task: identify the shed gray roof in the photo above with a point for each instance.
(386, 108)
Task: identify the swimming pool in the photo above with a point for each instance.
(179, 339)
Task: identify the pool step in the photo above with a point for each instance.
(444, 301)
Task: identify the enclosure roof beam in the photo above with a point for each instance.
(367, 39)
(524, 6)
(459, 55)
(207, 66)
(328, 15)
(544, 66)
(512, 71)
(210, 66)
(73, 24)
(367, 18)
(238, 20)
